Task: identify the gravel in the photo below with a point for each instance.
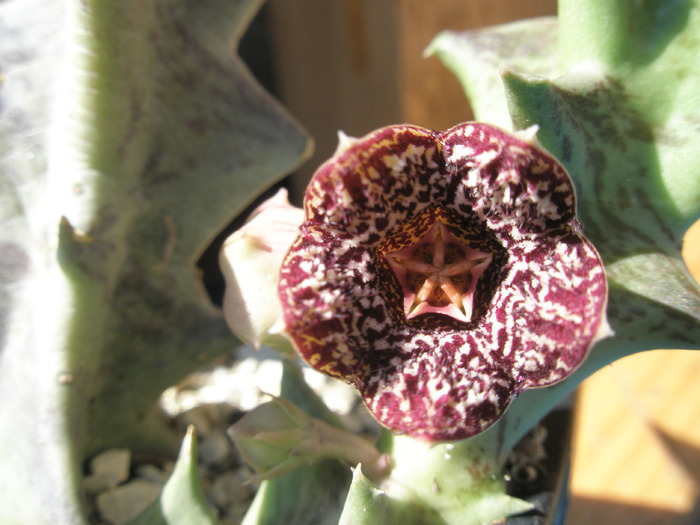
(210, 401)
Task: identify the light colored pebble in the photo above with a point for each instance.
(243, 385)
(214, 448)
(198, 418)
(227, 489)
(96, 483)
(218, 413)
(122, 504)
(152, 473)
(235, 512)
(108, 469)
(114, 461)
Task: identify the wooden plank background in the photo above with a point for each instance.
(636, 456)
(355, 65)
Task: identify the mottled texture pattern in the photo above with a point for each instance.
(537, 307)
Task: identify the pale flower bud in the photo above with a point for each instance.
(250, 261)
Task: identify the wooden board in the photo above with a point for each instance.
(636, 457)
(357, 65)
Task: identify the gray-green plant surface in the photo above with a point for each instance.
(131, 133)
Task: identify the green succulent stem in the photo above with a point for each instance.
(619, 33)
(147, 135)
(333, 442)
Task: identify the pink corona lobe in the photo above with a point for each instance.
(442, 273)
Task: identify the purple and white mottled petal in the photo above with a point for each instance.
(511, 183)
(442, 274)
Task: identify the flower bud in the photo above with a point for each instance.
(250, 261)
(278, 437)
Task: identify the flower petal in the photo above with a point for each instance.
(537, 308)
(370, 183)
(508, 180)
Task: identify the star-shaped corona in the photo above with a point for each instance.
(442, 274)
(438, 274)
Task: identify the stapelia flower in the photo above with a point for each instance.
(442, 273)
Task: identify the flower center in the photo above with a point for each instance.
(438, 274)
